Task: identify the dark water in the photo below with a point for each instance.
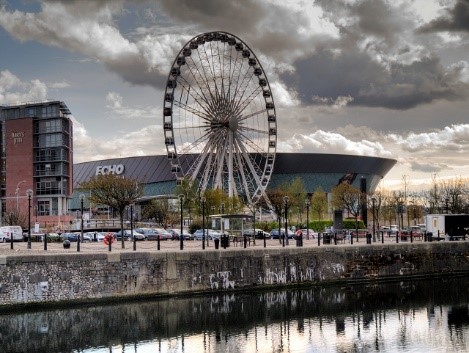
(414, 316)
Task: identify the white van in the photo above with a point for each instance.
(7, 232)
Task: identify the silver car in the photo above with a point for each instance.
(210, 233)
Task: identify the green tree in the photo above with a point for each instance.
(191, 197)
(319, 203)
(296, 192)
(113, 191)
(158, 211)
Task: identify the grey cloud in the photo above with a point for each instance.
(455, 20)
(354, 73)
(427, 168)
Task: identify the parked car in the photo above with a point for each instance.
(149, 233)
(127, 235)
(275, 234)
(165, 234)
(393, 229)
(385, 229)
(11, 232)
(176, 232)
(74, 237)
(257, 233)
(212, 234)
(53, 236)
(99, 236)
(312, 234)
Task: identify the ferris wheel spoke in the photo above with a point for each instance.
(250, 129)
(243, 104)
(245, 117)
(249, 163)
(234, 80)
(199, 77)
(193, 145)
(206, 75)
(247, 191)
(199, 161)
(198, 98)
(242, 88)
(248, 141)
(185, 107)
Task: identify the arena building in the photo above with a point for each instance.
(316, 170)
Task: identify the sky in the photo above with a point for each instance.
(372, 78)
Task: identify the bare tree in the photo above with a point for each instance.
(113, 191)
(346, 196)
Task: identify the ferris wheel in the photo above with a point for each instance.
(219, 118)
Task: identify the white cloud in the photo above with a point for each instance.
(13, 90)
(451, 138)
(119, 110)
(330, 142)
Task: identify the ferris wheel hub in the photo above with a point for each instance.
(233, 123)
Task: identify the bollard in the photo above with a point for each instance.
(245, 241)
(66, 244)
(217, 243)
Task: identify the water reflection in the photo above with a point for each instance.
(398, 317)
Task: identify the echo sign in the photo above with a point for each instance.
(117, 169)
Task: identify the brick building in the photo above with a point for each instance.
(37, 155)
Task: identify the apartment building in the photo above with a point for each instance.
(37, 156)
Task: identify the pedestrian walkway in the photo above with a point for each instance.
(174, 245)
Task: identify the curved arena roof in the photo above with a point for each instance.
(325, 170)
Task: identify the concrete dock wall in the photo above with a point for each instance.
(44, 279)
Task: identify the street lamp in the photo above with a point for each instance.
(29, 193)
(82, 198)
(132, 227)
(307, 203)
(17, 192)
(285, 200)
(181, 237)
(202, 201)
(373, 204)
(222, 236)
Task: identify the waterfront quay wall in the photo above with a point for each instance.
(49, 279)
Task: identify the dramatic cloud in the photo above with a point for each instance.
(88, 28)
(455, 19)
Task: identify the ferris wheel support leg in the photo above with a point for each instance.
(230, 165)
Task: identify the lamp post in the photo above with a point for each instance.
(373, 204)
(222, 231)
(132, 226)
(82, 199)
(181, 237)
(307, 203)
(202, 201)
(285, 200)
(29, 193)
(17, 192)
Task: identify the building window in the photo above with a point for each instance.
(43, 208)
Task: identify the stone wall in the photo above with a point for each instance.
(52, 278)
